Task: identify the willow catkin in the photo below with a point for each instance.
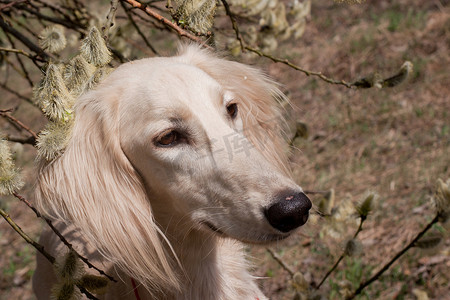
(52, 95)
(94, 48)
(442, 200)
(197, 14)
(53, 139)
(69, 267)
(52, 39)
(65, 291)
(10, 178)
(76, 73)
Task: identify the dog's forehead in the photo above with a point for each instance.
(166, 72)
(167, 83)
(162, 89)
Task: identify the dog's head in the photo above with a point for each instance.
(192, 137)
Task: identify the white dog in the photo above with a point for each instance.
(172, 163)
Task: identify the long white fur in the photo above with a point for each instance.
(140, 210)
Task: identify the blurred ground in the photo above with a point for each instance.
(394, 142)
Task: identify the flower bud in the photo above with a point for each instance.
(52, 39)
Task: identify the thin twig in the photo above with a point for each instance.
(110, 19)
(149, 21)
(181, 32)
(55, 9)
(361, 221)
(19, 59)
(295, 67)
(396, 257)
(19, 51)
(66, 23)
(130, 17)
(29, 240)
(14, 67)
(18, 122)
(38, 247)
(28, 140)
(30, 45)
(11, 4)
(27, 28)
(280, 262)
(330, 271)
(234, 24)
(61, 237)
(5, 87)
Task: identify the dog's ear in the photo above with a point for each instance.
(258, 97)
(93, 186)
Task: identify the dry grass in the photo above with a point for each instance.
(395, 142)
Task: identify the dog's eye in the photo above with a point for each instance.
(232, 110)
(169, 138)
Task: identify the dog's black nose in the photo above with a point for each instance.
(289, 212)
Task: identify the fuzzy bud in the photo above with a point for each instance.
(94, 48)
(301, 129)
(94, 284)
(300, 283)
(53, 139)
(353, 247)
(52, 39)
(345, 288)
(65, 291)
(401, 76)
(442, 200)
(69, 267)
(52, 95)
(76, 73)
(363, 209)
(326, 203)
(96, 78)
(10, 178)
(197, 14)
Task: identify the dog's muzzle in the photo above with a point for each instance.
(289, 212)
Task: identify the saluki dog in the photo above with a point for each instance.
(172, 164)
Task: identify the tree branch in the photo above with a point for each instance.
(130, 17)
(19, 51)
(295, 67)
(395, 258)
(110, 19)
(361, 221)
(19, 59)
(38, 247)
(11, 4)
(66, 23)
(181, 32)
(280, 262)
(10, 118)
(29, 140)
(5, 87)
(30, 45)
(61, 237)
(234, 24)
(29, 240)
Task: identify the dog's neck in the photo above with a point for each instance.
(217, 265)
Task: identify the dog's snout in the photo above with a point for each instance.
(289, 212)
